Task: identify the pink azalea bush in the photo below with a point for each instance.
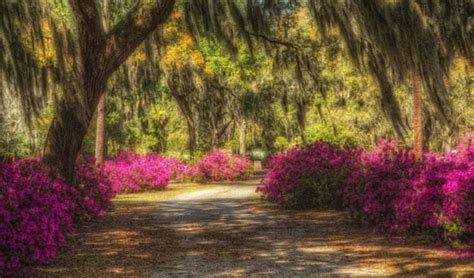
(38, 209)
(385, 187)
(179, 171)
(308, 176)
(396, 194)
(220, 166)
(449, 181)
(95, 189)
(379, 183)
(130, 172)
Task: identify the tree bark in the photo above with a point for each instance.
(181, 88)
(185, 108)
(417, 116)
(100, 142)
(65, 137)
(101, 54)
(301, 119)
(100, 132)
(242, 138)
(214, 132)
(192, 138)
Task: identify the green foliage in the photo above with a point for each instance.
(177, 142)
(14, 147)
(316, 191)
(233, 143)
(303, 85)
(326, 133)
(281, 144)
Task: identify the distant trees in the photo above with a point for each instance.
(393, 40)
(402, 39)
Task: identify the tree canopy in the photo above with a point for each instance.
(205, 71)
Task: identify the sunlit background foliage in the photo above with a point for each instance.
(256, 92)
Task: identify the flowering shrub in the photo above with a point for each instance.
(38, 209)
(448, 183)
(132, 172)
(307, 177)
(396, 194)
(382, 182)
(219, 166)
(179, 171)
(36, 213)
(385, 187)
(95, 190)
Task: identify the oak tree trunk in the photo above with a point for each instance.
(242, 138)
(192, 137)
(187, 112)
(214, 133)
(417, 116)
(301, 119)
(65, 136)
(101, 54)
(100, 142)
(192, 132)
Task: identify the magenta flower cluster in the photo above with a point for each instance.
(386, 187)
(95, 189)
(38, 209)
(220, 166)
(397, 194)
(130, 172)
(310, 174)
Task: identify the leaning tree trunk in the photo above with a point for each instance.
(66, 134)
(101, 54)
(417, 116)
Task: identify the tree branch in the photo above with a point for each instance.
(274, 41)
(130, 32)
(90, 29)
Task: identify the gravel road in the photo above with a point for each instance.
(223, 231)
(221, 234)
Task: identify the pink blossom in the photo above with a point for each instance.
(219, 166)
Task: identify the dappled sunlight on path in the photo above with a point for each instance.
(223, 231)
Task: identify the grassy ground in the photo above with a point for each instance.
(156, 196)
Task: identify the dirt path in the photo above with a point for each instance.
(221, 231)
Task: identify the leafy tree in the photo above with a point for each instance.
(59, 52)
(397, 39)
(99, 55)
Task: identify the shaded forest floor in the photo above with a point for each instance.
(223, 230)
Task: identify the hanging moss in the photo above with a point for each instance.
(400, 37)
(28, 34)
